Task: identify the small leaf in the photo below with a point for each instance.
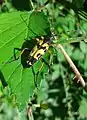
(83, 47)
(77, 55)
(44, 105)
(38, 25)
(83, 108)
(85, 64)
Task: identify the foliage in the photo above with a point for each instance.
(65, 98)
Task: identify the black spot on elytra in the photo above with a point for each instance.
(39, 55)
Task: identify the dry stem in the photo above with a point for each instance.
(72, 65)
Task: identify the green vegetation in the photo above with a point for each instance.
(59, 95)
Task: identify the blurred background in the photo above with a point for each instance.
(65, 98)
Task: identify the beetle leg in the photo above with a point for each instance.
(39, 71)
(34, 76)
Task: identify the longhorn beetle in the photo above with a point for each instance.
(32, 50)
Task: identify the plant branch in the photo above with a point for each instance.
(72, 65)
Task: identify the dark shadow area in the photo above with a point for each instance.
(2, 1)
(21, 5)
(4, 83)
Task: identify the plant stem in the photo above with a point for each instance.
(72, 65)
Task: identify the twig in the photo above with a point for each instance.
(72, 65)
(32, 5)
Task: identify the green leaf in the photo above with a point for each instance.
(83, 106)
(12, 34)
(77, 55)
(44, 105)
(83, 47)
(38, 25)
(85, 63)
(60, 56)
(84, 25)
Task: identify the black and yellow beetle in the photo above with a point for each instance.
(34, 49)
(38, 51)
(29, 56)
